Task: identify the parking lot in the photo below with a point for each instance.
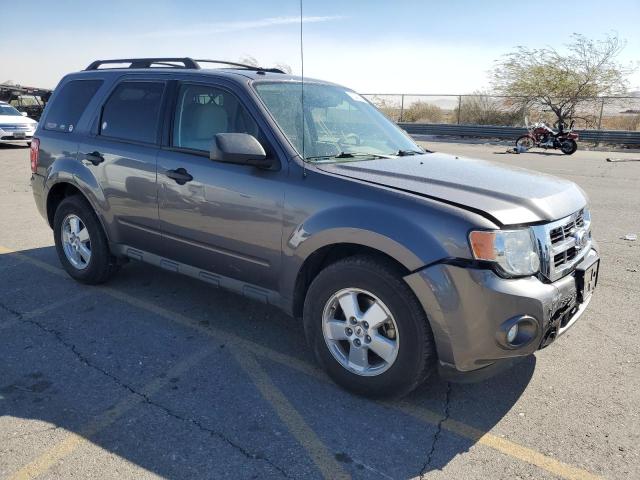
(158, 375)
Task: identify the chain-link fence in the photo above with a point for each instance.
(604, 113)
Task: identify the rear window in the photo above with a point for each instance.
(132, 112)
(69, 104)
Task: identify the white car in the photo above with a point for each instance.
(15, 126)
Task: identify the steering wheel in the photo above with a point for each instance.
(350, 136)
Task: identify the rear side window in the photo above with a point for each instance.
(132, 112)
(69, 104)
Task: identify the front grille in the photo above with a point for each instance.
(561, 233)
(13, 127)
(563, 243)
(564, 257)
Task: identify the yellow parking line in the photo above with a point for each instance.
(42, 310)
(52, 306)
(318, 452)
(73, 440)
(507, 447)
(34, 261)
(325, 462)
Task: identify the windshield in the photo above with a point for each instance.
(338, 124)
(28, 101)
(8, 110)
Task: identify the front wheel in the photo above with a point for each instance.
(367, 329)
(525, 141)
(569, 147)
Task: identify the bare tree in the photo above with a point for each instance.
(284, 67)
(561, 81)
(249, 60)
(481, 108)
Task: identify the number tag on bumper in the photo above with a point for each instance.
(586, 280)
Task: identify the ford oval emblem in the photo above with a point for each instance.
(581, 239)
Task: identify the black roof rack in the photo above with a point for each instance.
(171, 62)
(147, 62)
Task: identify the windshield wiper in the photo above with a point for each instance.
(348, 155)
(406, 153)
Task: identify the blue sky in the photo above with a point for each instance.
(443, 46)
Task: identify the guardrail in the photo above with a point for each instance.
(488, 131)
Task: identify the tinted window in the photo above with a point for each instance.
(203, 111)
(69, 104)
(132, 112)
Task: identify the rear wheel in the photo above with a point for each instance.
(367, 329)
(81, 244)
(569, 147)
(525, 141)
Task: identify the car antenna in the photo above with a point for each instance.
(304, 158)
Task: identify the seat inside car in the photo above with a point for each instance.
(200, 123)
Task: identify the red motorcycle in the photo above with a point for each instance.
(542, 136)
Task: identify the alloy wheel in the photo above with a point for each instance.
(360, 332)
(76, 241)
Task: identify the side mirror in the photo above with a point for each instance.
(24, 114)
(239, 148)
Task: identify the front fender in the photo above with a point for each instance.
(409, 243)
(386, 231)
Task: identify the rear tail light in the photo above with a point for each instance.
(35, 153)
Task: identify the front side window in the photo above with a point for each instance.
(204, 111)
(69, 104)
(332, 123)
(132, 112)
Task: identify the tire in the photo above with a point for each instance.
(569, 147)
(525, 141)
(100, 264)
(379, 281)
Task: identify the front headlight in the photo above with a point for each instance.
(514, 251)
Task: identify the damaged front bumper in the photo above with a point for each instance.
(470, 310)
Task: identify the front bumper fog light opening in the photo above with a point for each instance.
(512, 333)
(517, 332)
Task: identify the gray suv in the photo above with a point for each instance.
(300, 194)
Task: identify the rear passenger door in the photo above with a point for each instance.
(122, 154)
(223, 218)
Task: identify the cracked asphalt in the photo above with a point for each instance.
(157, 375)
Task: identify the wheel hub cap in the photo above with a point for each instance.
(360, 332)
(76, 242)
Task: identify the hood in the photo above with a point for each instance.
(508, 195)
(16, 120)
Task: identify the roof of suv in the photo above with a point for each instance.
(234, 71)
(231, 73)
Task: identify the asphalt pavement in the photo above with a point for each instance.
(157, 375)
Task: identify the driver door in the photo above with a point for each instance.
(219, 217)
